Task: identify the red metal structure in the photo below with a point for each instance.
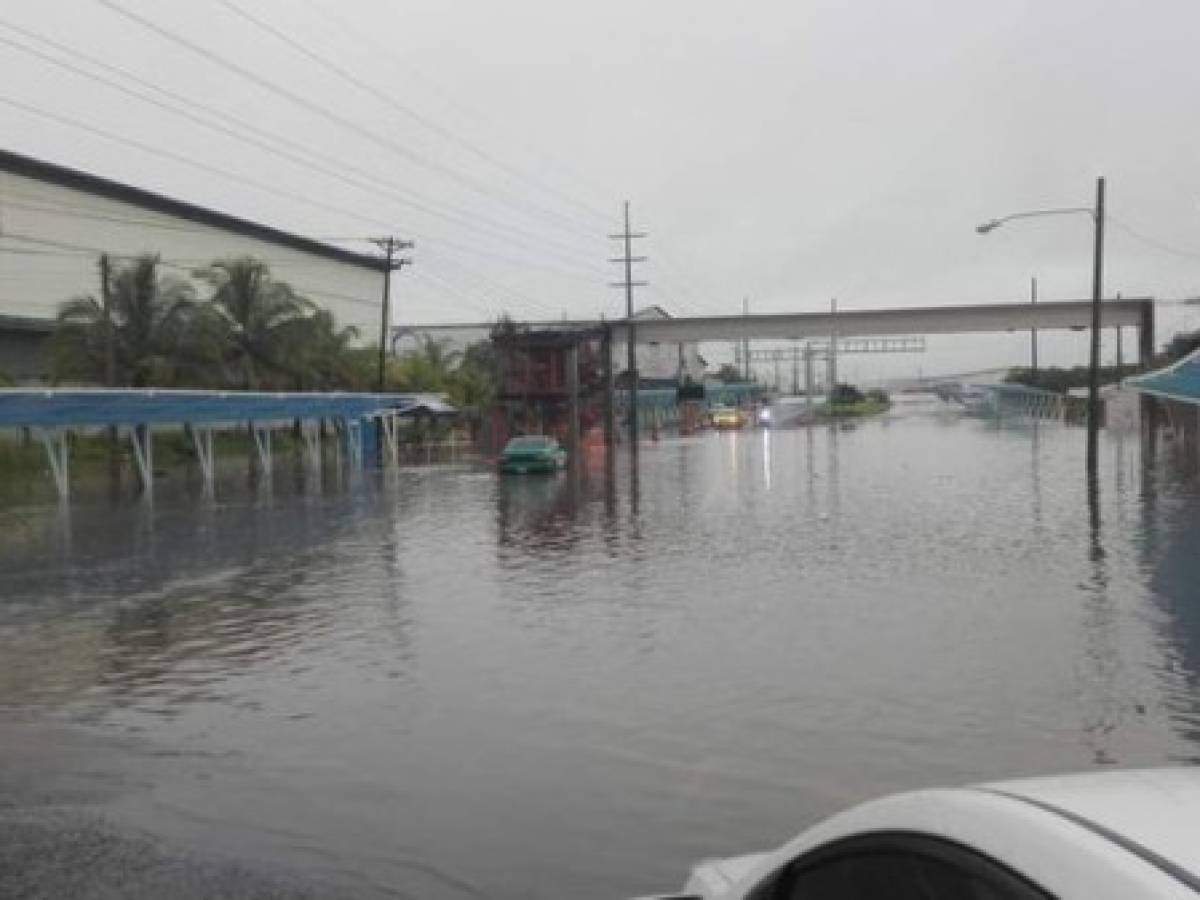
(549, 380)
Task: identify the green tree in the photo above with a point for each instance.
(846, 393)
(261, 315)
(729, 374)
(321, 354)
(426, 369)
(150, 315)
(473, 385)
(1179, 346)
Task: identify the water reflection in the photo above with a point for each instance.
(1170, 555)
(668, 659)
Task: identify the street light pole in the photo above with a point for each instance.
(1094, 361)
(1097, 214)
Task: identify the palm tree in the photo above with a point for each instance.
(426, 369)
(149, 315)
(474, 384)
(321, 356)
(260, 312)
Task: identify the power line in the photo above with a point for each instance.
(574, 273)
(303, 102)
(486, 281)
(1152, 242)
(177, 157)
(273, 144)
(409, 71)
(459, 294)
(386, 98)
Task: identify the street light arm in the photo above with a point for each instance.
(1066, 210)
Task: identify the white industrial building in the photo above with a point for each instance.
(55, 222)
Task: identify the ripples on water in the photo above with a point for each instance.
(444, 684)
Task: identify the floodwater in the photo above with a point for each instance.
(438, 683)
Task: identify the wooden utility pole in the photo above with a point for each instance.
(627, 237)
(389, 245)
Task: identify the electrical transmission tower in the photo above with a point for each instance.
(627, 237)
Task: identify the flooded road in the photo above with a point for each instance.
(438, 683)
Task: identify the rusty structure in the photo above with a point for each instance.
(554, 381)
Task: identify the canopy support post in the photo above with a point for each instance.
(202, 439)
(143, 454)
(262, 442)
(55, 442)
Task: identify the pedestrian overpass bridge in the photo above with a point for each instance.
(964, 319)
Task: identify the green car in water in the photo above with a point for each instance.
(532, 453)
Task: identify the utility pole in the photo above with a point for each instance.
(1093, 424)
(1033, 330)
(627, 237)
(746, 340)
(833, 348)
(389, 245)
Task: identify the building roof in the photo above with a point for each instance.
(51, 173)
(1178, 381)
(25, 323)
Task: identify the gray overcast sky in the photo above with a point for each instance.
(785, 151)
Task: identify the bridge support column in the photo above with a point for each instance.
(142, 439)
(55, 442)
(202, 440)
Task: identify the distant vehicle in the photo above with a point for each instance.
(532, 453)
(783, 412)
(1113, 835)
(726, 418)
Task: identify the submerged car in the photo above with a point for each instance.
(532, 453)
(1114, 835)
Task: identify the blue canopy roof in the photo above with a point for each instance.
(1178, 381)
(35, 407)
